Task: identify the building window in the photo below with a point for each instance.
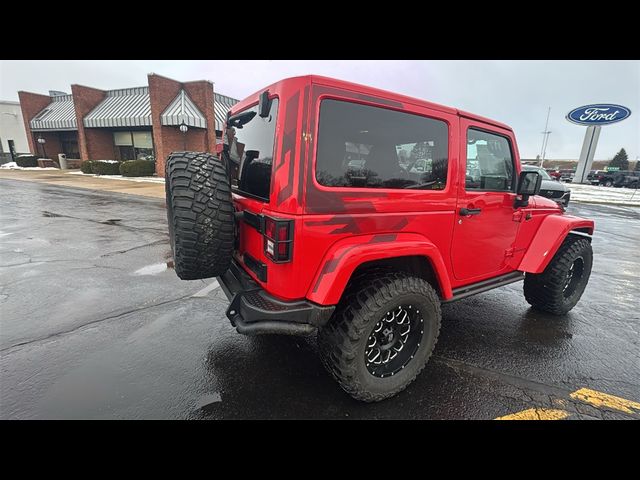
(134, 145)
(361, 146)
(69, 143)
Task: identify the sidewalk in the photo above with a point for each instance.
(58, 177)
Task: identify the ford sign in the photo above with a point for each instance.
(599, 114)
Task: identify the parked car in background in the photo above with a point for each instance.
(567, 175)
(602, 177)
(556, 191)
(626, 178)
(619, 178)
(594, 176)
(553, 173)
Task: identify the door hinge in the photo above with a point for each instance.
(517, 216)
(509, 252)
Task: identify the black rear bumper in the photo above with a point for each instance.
(253, 311)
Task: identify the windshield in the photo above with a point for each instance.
(250, 147)
(543, 173)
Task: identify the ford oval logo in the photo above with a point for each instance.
(598, 114)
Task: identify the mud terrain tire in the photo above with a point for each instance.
(559, 287)
(344, 340)
(200, 214)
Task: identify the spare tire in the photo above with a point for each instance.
(200, 214)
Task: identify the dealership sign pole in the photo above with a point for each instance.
(593, 116)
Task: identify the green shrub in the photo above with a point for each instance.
(137, 168)
(99, 167)
(86, 167)
(27, 161)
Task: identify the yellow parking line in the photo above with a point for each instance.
(599, 399)
(537, 414)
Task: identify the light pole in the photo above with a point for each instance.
(546, 144)
(545, 138)
(42, 141)
(184, 129)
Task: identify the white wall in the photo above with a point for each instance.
(12, 127)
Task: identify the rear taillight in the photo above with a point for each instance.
(278, 239)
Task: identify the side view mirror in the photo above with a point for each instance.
(240, 119)
(529, 184)
(264, 104)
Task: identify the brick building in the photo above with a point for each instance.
(146, 122)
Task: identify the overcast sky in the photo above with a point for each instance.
(514, 92)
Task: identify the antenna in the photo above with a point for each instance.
(545, 138)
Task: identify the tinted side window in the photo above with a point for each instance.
(489, 162)
(372, 147)
(249, 151)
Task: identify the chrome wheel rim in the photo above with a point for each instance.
(393, 341)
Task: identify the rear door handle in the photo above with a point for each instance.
(464, 212)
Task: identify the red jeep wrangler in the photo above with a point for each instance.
(354, 212)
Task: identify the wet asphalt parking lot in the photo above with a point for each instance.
(95, 325)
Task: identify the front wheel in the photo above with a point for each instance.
(559, 287)
(608, 183)
(381, 336)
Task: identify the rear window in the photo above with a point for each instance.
(372, 147)
(250, 150)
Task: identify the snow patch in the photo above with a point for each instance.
(120, 177)
(604, 195)
(14, 166)
(154, 269)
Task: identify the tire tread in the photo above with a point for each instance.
(544, 291)
(366, 294)
(200, 214)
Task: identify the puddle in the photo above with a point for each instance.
(154, 269)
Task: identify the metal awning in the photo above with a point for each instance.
(221, 105)
(60, 114)
(183, 110)
(129, 107)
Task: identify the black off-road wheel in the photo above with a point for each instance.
(200, 214)
(381, 335)
(560, 286)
